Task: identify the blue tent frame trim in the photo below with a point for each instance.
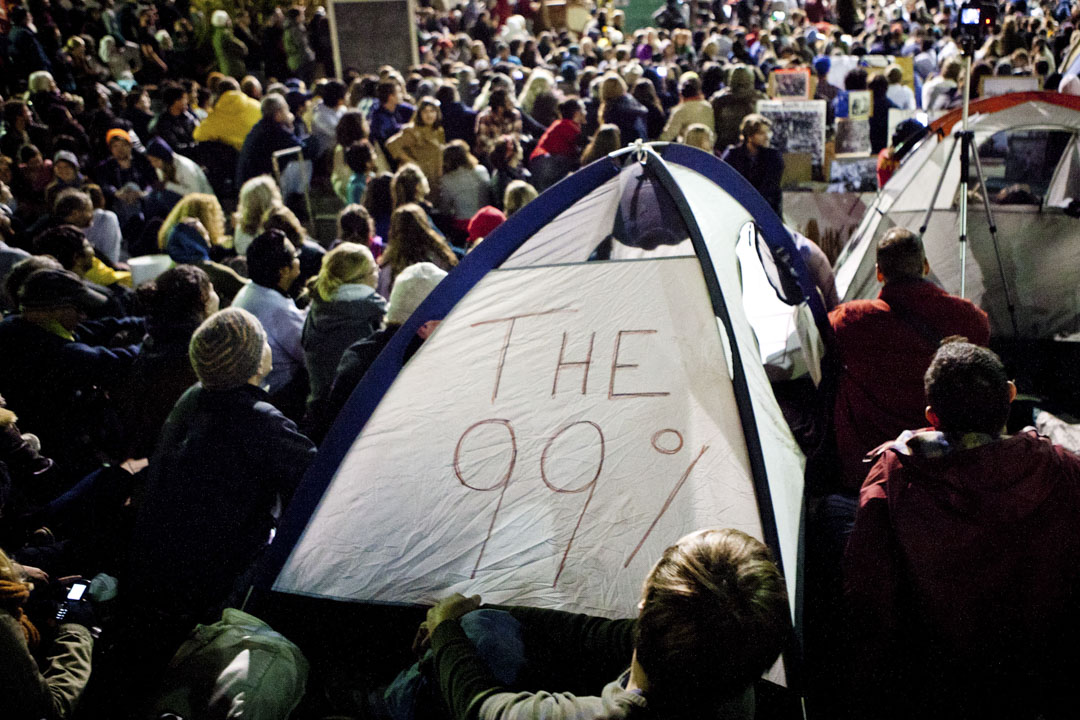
(491, 254)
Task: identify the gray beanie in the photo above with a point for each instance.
(226, 349)
(411, 286)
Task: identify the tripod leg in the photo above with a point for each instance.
(937, 188)
(994, 239)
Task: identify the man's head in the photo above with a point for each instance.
(333, 93)
(67, 244)
(714, 617)
(411, 287)
(388, 94)
(175, 99)
(900, 256)
(273, 261)
(229, 350)
(57, 296)
(756, 130)
(967, 390)
(74, 207)
(276, 109)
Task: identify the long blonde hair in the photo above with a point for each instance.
(257, 195)
(347, 263)
(612, 87)
(539, 81)
(201, 206)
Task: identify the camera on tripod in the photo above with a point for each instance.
(978, 19)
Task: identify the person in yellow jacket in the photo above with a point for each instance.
(232, 117)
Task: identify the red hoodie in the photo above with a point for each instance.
(561, 138)
(963, 574)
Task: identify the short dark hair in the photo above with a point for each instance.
(713, 618)
(968, 389)
(690, 87)
(355, 221)
(266, 255)
(498, 98)
(570, 107)
(385, 89)
(178, 296)
(63, 242)
(358, 156)
(332, 92)
(70, 200)
(900, 254)
(171, 94)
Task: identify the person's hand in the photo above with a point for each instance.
(422, 641)
(451, 608)
(34, 575)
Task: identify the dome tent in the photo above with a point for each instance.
(1030, 154)
(593, 392)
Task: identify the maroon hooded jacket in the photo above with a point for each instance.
(885, 350)
(963, 574)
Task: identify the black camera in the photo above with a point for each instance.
(978, 19)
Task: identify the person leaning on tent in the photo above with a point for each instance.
(984, 625)
(713, 618)
(412, 287)
(760, 164)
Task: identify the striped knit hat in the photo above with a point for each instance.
(226, 349)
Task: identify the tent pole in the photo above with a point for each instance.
(937, 191)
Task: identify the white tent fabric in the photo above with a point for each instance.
(569, 419)
(1039, 245)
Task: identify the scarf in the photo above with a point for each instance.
(13, 595)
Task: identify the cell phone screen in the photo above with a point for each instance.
(77, 591)
(969, 16)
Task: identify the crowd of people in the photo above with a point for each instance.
(154, 431)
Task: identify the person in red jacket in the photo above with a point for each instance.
(963, 569)
(884, 347)
(557, 151)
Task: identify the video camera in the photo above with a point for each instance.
(978, 19)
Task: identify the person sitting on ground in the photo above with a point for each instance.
(175, 124)
(983, 625)
(30, 690)
(192, 234)
(258, 196)
(126, 176)
(227, 457)
(518, 194)
(180, 174)
(273, 265)
(360, 159)
(66, 174)
(176, 303)
(482, 224)
(273, 132)
(74, 207)
(412, 240)
(354, 225)
(414, 285)
(692, 109)
(324, 121)
(606, 141)
(344, 309)
(713, 617)
(760, 164)
(56, 372)
(420, 141)
(311, 252)
(231, 118)
(506, 162)
(465, 185)
(350, 130)
(69, 245)
(701, 137)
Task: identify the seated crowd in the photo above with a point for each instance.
(176, 343)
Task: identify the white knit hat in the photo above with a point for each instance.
(411, 286)
(220, 18)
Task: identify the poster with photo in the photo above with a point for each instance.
(790, 84)
(853, 175)
(798, 126)
(852, 136)
(859, 104)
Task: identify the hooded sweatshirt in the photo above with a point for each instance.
(733, 103)
(230, 120)
(962, 573)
